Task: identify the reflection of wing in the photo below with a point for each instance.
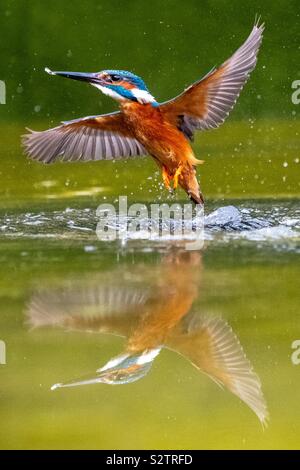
(144, 306)
(103, 137)
(210, 344)
(206, 103)
(99, 308)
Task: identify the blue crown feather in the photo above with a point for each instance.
(134, 79)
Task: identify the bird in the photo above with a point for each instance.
(152, 308)
(143, 126)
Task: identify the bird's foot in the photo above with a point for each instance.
(166, 178)
(176, 176)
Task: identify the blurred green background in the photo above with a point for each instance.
(170, 44)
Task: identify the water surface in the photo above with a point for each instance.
(70, 304)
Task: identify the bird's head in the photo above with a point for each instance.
(117, 84)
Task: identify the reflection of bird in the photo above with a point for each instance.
(152, 314)
(143, 126)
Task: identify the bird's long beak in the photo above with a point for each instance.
(83, 77)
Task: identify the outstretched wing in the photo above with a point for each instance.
(89, 306)
(211, 345)
(206, 103)
(103, 137)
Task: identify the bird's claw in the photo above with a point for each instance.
(176, 176)
(166, 179)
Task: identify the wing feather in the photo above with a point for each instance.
(91, 138)
(211, 345)
(207, 103)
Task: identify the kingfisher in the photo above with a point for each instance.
(142, 126)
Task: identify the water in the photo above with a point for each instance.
(148, 330)
(261, 222)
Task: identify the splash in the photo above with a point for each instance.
(260, 223)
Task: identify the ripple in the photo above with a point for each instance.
(276, 225)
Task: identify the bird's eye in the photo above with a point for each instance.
(115, 78)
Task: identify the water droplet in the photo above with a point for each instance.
(90, 248)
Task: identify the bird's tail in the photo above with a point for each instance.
(196, 198)
(189, 183)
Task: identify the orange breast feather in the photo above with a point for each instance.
(161, 138)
